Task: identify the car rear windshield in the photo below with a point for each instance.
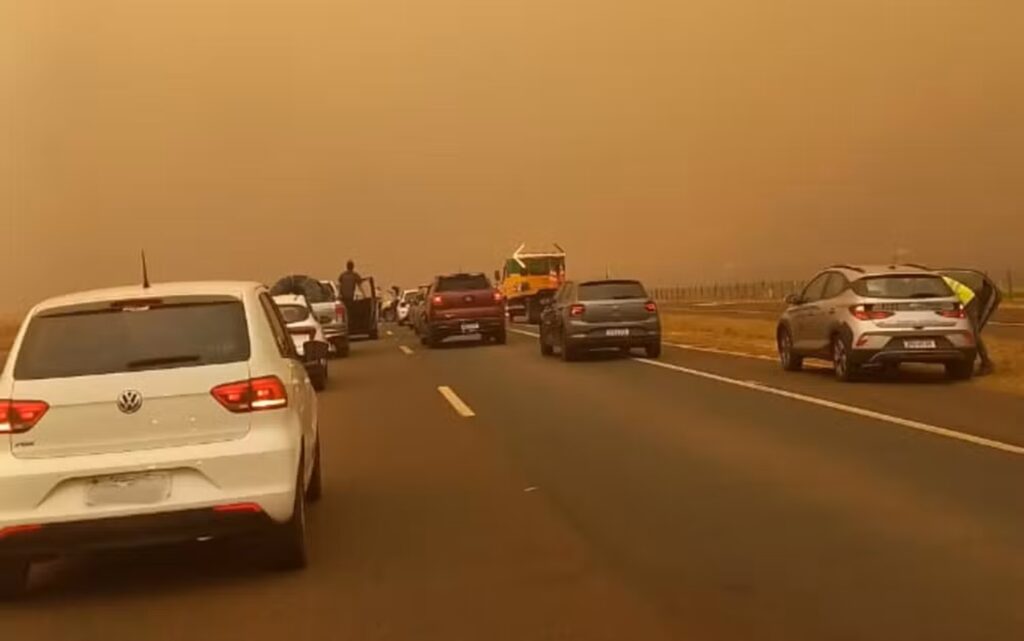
(87, 343)
(463, 283)
(293, 313)
(923, 286)
(612, 290)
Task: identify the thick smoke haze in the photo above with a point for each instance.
(676, 140)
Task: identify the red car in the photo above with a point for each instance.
(463, 305)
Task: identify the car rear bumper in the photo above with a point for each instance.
(888, 356)
(597, 341)
(93, 535)
(457, 326)
(259, 469)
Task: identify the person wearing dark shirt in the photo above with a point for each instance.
(348, 281)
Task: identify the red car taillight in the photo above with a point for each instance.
(577, 310)
(253, 395)
(20, 416)
(498, 297)
(651, 307)
(437, 301)
(956, 312)
(15, 530)
(864, 312)
(339, 311)
(238, 508)
(308, 332)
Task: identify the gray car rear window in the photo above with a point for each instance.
(612, 290)
(924, 286)
(465, 283)
(87, 343)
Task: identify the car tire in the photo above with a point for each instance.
(845, 370)
(288, 549)
(959, 370)
(319, 377)
(790, 361)
(342, 349)
(316, 487)
(374, 334)
(653, 350)
(569, 353)
(13, 578)
(432, 340)
(501, 338)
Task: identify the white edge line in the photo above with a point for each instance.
(842, 407)
(820, 402)
(405, 350)
(457, 403)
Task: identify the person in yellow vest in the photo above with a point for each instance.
(969, 299)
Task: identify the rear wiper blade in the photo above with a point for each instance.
(164, 360)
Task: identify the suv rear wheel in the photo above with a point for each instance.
(13, 577)
(789, 360)
(287, 542)
(959, 370)
(845, 370)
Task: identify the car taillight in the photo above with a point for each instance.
(865, 312)
(498, 297)
(20, 416)
(956, 312)
(238, 508)
(253, 395)
(437, 301)
(651, 307)
(577, 310)
(14, 530)
(339, 311)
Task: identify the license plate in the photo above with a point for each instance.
(919, 344)
(470, 328)
(144, 488)
(616, 332)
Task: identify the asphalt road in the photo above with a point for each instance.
(707, 497)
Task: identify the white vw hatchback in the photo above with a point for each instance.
(139, 416)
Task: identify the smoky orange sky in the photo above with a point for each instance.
(676, 140)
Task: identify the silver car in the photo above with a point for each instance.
(600, 314)
(862, 317)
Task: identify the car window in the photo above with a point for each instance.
(293, 313)
(837, 284)
(612, 290)
(285, 346)
(462, 283)
(916, 286)
(815, 289)
(111, 340)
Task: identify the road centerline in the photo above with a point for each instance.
(460, 406)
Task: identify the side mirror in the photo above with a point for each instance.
(314, 351)
(794, 299)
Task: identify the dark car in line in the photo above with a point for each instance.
(600, 314)
(463, 305)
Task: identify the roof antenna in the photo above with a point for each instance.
(145, 271)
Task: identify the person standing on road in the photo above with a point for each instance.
(348, 281)
(972, 306)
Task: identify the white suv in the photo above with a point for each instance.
(150, 415)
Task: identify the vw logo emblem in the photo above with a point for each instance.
(129, 401)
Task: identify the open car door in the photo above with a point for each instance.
(989, 296)
(363, 314)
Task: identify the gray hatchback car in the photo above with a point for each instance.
(617, 314)
(865, 317)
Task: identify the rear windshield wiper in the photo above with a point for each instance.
(164, 360)
(923, 295)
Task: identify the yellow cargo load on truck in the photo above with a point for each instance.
(529, 280)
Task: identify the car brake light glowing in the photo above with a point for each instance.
(437, 301)
(577, 310)
(498, 297)
(14, 530)
(956, 312)
(651, 307)
(253, 395)
(238, 508)
(20, 416)
(865, 312)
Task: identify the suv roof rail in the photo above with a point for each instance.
(917, 266)
(852, 268)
